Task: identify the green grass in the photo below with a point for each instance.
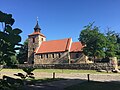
(70, 71)
(94, 85)
(11, 70)
(57, 71)
(64, 71)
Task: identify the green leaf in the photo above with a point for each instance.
(8, 29)
(17, 31)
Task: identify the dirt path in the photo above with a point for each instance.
(95, 77)
(72, 78)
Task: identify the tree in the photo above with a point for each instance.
(93, 41)
(97, 44)
(9, 38)
(23, 53)
(111, 44)
(118, 45)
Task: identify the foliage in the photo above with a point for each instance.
(23, 53)
(99, 45)
(28, 71)
(9, 38)
(93, 41)
(111, 44)
(10, 85)
(118, 46)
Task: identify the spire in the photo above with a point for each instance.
(37, 27)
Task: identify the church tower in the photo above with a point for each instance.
(34, 41)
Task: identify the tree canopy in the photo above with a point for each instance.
(9, 38)
(23, 52)
(97, 44)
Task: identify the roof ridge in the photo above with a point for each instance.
(58, 39)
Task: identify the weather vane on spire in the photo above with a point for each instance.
(37, 19)
(37, 27)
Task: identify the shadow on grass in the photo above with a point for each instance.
(67, 84)
(28, 84)
(52, 84)
(96, 85)
(39, 81)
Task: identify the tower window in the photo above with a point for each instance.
(41, 39)
(33, 40)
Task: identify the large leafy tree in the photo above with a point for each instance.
(111, 44)
(93, 41)
(9, 38)
(23, 52)
(118, 46)
(97, 44)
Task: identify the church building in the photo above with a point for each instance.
(41, 51)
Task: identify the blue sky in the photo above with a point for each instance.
(60, 19)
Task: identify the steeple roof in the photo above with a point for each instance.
(37, 27)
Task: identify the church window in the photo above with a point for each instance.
(77, 55)
(53, 55)
(59, 55)
(46, 55)
(33, 40)
(41, 56)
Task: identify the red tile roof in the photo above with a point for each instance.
(76, 47)
(54, 46)
(36, 33)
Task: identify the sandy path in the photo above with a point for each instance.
(95, 77)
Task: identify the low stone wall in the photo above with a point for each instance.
(91, 66)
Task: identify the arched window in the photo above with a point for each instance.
(41, 56)
(77, 55)
(41, 39)
(53, 55)
(46, 55)
(33, 40)
(59, 55)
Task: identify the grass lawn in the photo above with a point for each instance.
(64, 71)
(11, 70)
(57, 71)
(94, 85)
(52, 70)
